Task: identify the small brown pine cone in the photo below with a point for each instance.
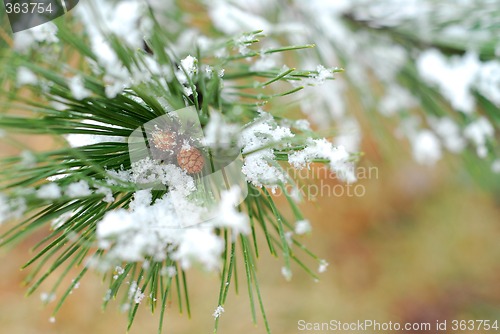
(191, 160)
(164, 140)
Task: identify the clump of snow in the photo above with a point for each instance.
(479, 131)
(218, 312)
(231, 20)
(189, 64)
(78, 189)
(218, 133)
(338, 158)
(396, 99)
(302, 227)
(159, 229)
(124, 19)
(28, 159)
(488, 82)
(228, 216)
(258, 140)
(454, 76)
(119, 271)
(323, 74)
(79, 140)
(323, 265)
(77, 88)
(169, 271)
(11, 208)
(287, 273)
(426, 147)
(135, 293)
(46, 297)
(49, 191)
(26, 77)
(201, 246)
(186, 71)
(495, 166)
(302, 125)
(147, 171)
(449, 132)
(25, 40)
(108, 194)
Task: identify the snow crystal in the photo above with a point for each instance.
(46, 297)
(302, 227)
(119, 270)
(135, 293)
(322, 266)
(287, 273)
(323, 74)
(139, 296)
(218, 312)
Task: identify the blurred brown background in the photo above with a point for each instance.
(421, 245)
